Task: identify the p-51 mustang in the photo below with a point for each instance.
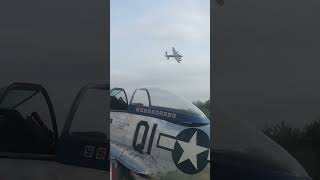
(157, 135)
(175, 54)
(30, 145)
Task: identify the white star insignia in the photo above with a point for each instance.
(191, 150)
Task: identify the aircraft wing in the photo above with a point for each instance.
(132, 160)
(176, 55)
(174, 52)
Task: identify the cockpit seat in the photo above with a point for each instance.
(117, 104)
(19, 135)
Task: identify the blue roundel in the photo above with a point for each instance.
(191, 151)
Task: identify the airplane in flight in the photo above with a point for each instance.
(175, 54)
(155, 138)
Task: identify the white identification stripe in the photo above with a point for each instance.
(166, 142)
(209, 155)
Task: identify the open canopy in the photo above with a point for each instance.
(158, 103)
(28, 123)
(27, 98)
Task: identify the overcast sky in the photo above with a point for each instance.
(141, 32)
(267, 60)
(60, 44)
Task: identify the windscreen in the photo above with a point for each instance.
(166, 99)
(15, 97)
(26, 102)
(118, 100)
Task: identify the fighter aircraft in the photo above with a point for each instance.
(157, 135)
(175, 54)
(31, 147)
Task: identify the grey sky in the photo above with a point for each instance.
(60, 44)
(142, 31)
(266, 60)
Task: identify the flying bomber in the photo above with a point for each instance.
(175, 55)
(157, 135)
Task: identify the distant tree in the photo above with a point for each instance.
(312, 133)
(301, 143)
(284, 134)
(204, 107)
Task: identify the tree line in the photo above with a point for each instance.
(204, 107)
(302, 143)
